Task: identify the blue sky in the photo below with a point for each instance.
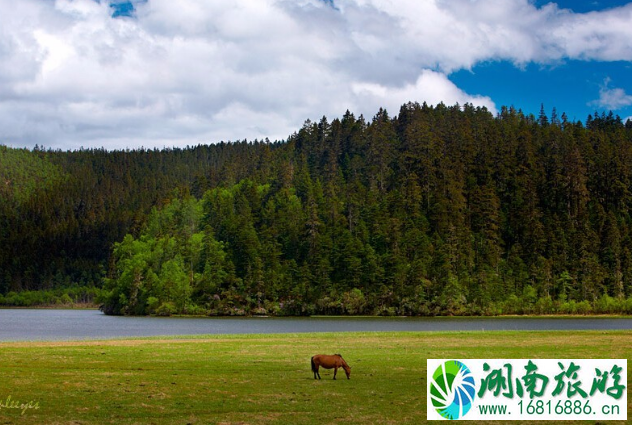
(571, 86)
(160, 73)
(583, 6)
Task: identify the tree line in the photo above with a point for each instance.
(438, 210)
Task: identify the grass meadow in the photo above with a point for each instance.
(258, 379)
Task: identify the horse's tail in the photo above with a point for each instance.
(313, 365)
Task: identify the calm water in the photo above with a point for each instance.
(16, 325)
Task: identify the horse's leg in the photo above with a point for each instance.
(318, 371)
(335, 371)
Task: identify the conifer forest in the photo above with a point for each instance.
(438, 210)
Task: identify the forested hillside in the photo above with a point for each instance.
(439, 210)
(60, 212)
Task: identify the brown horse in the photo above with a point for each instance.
(328, 362)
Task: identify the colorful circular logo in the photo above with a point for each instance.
(452, 389)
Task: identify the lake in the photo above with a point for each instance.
(41, 324)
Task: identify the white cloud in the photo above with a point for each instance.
(433, 87)
(195, 71)
(612, 98)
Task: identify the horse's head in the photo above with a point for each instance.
(347, 369)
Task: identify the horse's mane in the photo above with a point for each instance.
(343, 360)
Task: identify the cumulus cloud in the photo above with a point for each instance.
(612, 98)
(196, 71)
(431, 86)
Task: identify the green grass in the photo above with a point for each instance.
(259, 379)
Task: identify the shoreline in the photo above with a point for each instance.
(202, 338)
(337, 316)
